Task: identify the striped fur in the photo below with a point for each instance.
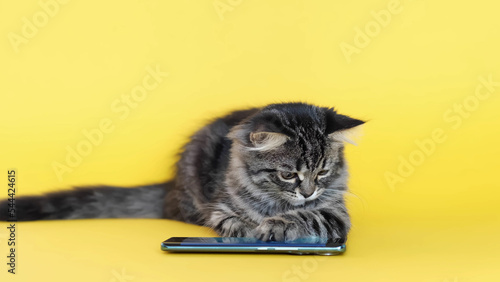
(274, 173)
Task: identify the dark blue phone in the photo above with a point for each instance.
(314, 246)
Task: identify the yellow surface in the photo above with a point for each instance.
(67, 68)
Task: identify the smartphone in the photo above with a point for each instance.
(311, 246)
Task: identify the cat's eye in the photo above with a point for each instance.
(288, 175)
(323, 172)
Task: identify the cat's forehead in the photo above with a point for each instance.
(310, 152)
(308, 158)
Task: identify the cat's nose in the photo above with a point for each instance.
(307, 193)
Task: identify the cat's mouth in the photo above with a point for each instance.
(298, 199)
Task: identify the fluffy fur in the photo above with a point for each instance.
(274, 173)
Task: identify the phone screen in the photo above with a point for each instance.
(250, 242)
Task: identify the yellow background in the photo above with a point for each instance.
(441, 224)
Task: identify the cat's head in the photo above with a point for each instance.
(293, 151)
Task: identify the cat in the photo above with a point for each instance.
(273, 173)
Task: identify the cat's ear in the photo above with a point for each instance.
(266, 141)
(257, 140)
(341, 128)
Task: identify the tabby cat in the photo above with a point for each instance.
(273, 173)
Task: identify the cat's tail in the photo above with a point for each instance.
(89, 202)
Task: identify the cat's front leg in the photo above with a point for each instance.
(321, 223)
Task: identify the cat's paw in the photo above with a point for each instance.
(235, 228)
(277, 229)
